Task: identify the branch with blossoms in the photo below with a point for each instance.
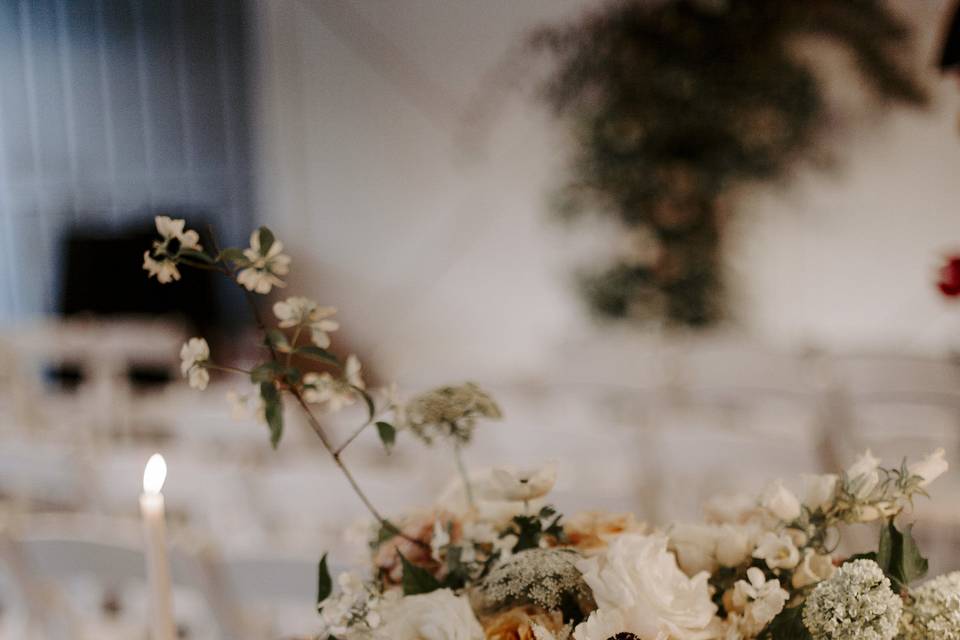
(302, 331)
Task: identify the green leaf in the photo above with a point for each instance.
(196, 255)
(266, 240)
(314, 352)
(277, 339)
(371, 409)
(265, 372)
(293, 375)
(899, 556)
(232, 254)
(388, 435)
(324, 583)
(273, 409)
(387, 532)
(416, 580)
(788, 625)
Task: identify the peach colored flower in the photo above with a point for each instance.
(419, 527)
(518, 623)
(590, 531)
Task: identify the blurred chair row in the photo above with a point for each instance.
(81, 578)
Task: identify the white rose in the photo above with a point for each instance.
(863, 475)
(639, 589)
(733, 545)
(519, 485)
(820, 491)
(777, 550)
(931, 467)
(780, 501)
(813, 569)
(438, 615)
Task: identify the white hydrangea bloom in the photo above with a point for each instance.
(934, 611)
(193, 354)
(264, 269)
(857, 603)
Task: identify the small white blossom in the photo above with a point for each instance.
(193, 354)
(759, 599)
(519, 485)
(299, 311)
(933, 610)
(857, 603)
(930, 468)
(820, 491)
(863, 475)
(160, 261)
(780, 501)
(335, 393)
(243, 406)
(263, 269)
(812, 569)
(777, 550)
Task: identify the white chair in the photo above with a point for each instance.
(70, 582)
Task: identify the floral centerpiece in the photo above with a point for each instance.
(492, 560)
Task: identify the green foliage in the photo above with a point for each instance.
(417, 580)
(899, 556)
(788, 625)
(273, 410)
(277, 339)
(266, 240)
(265, 372)
(232, 254)
(196, 255)
(387, 531)
(324, 583)
(676, 104)
(529, 529)
(388, 434)
(367, 400)
(314, 352)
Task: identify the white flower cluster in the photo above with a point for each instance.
(450, 412)
(934, 610)
(857, 603)
(334, 393)
(354, 610)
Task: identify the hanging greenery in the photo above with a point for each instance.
(675, 104)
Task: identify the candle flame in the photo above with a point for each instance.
(154, 474)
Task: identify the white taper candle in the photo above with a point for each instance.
(158, 566)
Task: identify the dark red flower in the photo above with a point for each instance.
(949, 282)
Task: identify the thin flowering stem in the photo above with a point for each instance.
(220, 367)
(335, 454)
(293, 343)
(462, 469)
(311, 418)
(353, 436)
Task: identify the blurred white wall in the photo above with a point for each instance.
(433, 236)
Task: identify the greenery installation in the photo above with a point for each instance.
(673, 105)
